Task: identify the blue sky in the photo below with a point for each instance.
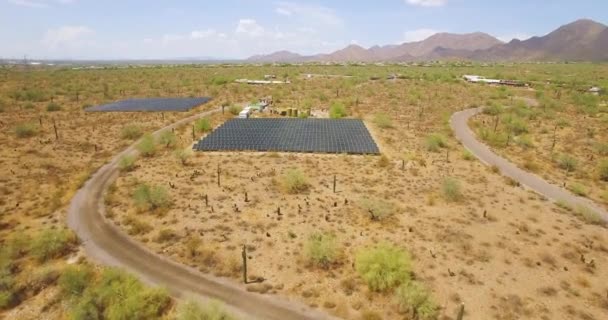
(137, 29)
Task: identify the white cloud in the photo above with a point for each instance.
(283, 11)
(311, 14)
(39, 3)
(202, 34)
(509, 37)
(427, 3)
(249, 27)
(418, 35)
(66, 35)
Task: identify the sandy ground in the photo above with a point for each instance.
(523, 260)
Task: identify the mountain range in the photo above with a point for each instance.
(582, 40)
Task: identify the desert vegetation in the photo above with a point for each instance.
(414, 233)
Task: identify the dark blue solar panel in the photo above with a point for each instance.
(291, 135)
(151, 104)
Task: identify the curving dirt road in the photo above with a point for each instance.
(462, 132)
(106, 244)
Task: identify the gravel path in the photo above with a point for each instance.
(462, 132)
(107, 245)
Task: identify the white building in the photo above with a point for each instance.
(480, 79)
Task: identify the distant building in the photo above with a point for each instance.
(595, 91)
(480, 79)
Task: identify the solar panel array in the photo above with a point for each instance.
(291, 135)
(151, 104)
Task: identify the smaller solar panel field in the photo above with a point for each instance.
(291, 135)
(151, 105)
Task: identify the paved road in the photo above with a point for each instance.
(108, 245)
(462, 132)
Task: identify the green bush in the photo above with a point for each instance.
(589, 215)
(192, 310)
(183, 155)
(127, 163)
(378, 209)
(517, 126)
(6, 299)
(26, 130)
(235, 110)
(525, 142)
(321, 249)
(147, 145)
(151, 197)
(167, 138)
(493, 109)
(118, 295)
(131, 132)
(567, 162)
(202, 125)
(451, 189)
(578, 189)
(52, 243)
(467, 155)
(602, 169)
(383, 121)
(434, 142)
(337, 110)
(52, 107)
(413, 296)
(294, 181)
(75, 279)
(383, 267)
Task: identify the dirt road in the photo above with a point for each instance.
(106, 244)
(462, 132)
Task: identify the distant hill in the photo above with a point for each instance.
(583, 40)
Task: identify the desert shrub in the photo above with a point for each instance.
(467, 155)
(383, 267)
(131, 132)
(525, 142)
(382, 120)
(602, 170)
(235, 110)
(518, 126)
(413, 296)
(384, 161)
(202, 125)
(294, 181)
(127, 163)
(147, 145)
(321, 249)
(601, 148)
(75, 279)
(118, 295)
(567, 162)
(183, 155)
(192, 310)
(493, 109)
(337, 110)
(451, 189)
(136, 225)
(151, 197)
(52, 243)
(495, 139)
(578, 189)
(434, 142)
(377, 209)
(588, 215)
(52, 107)
(167, 138)
(26, 130)
(165, 235)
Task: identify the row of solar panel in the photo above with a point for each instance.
(292, 135)
(151, 104)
